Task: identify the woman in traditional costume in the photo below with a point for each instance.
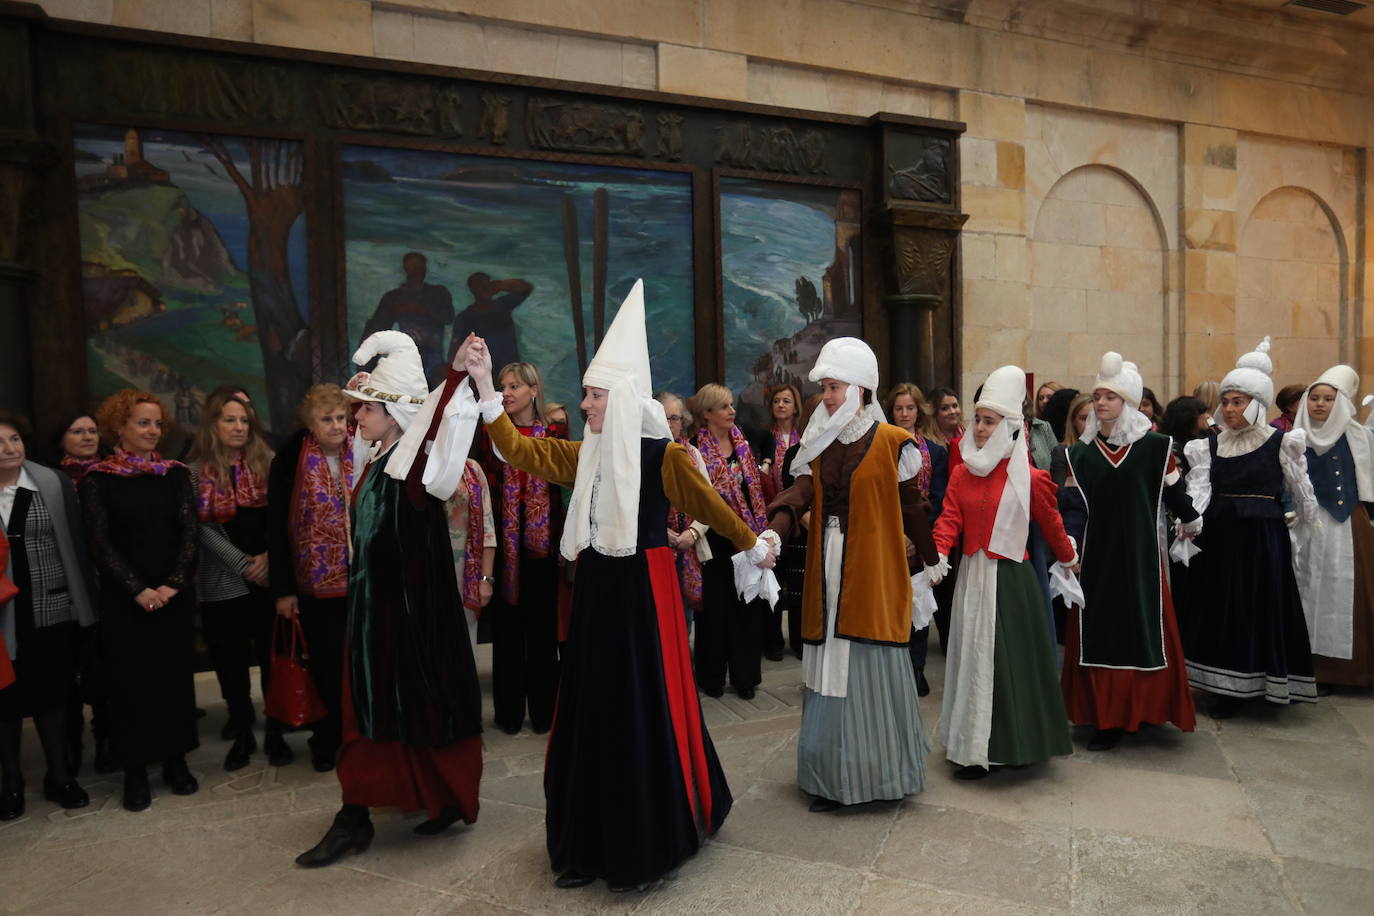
(308, 542)
(861, 735)
(631, 779)
(1123, 660)
(1001, 704)
(1243, 626)
(1335, 569)
(412, 707)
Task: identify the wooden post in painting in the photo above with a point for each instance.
(572, 256)
(921, 222)
(600, 244)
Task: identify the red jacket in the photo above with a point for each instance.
(970, 509)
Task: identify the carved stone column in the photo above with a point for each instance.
(918, 232)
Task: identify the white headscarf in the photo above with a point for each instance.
(845, 359)
(609, 464)
(1115, 374)
(1341, 422)
(1003, 393)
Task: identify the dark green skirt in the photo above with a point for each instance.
(1029, 723)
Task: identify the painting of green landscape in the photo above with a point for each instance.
(193, 265)
(439, 244)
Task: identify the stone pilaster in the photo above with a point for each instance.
(1208, 243)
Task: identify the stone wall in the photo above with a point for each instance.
(1172, 178)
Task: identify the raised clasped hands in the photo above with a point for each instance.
(477, 359)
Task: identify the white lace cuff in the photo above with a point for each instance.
(491, 410)
(934, 574)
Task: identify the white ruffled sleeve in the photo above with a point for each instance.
(909, 462)
(1199, 482)
(1293, 459)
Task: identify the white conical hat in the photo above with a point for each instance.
(612, 456)
(1004, 392)
(398, 381)
(1343, 378)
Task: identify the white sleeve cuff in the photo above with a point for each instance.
(491, 410)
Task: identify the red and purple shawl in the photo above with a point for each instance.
(319, 524)
(219, 500)
(472, 558)
(733, 481)
(526, 517)
(688, 566)
(77, 468)
(127, 464)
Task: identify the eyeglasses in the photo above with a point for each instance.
(675, 418)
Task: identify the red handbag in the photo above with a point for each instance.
(291, 695)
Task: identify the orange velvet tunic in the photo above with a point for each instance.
(876, 511)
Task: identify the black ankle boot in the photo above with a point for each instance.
(68, 795)
(922, 685)
(349, 833)
(446, 819)
(138, 795)
(176, 775)
(11, 801)
(278, 751)
(244, 746)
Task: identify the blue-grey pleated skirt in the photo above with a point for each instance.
(870, 744)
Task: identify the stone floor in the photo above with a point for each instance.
(1271, 812)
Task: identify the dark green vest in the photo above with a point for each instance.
(1122, 625)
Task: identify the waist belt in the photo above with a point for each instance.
(1247, 496)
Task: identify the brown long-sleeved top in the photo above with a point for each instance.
(555, 460)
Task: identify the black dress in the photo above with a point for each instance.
(1239, 609)
(143, 535)
(629, 723)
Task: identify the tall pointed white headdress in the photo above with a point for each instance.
(608, 466)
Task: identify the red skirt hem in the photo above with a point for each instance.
(1125, 698)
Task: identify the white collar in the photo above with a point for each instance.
(25, 480)
(1232, 443)
(855, 429)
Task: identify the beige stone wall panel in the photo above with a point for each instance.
(393, 35)
(232, 19)
(99, 11)
(344, 26)
(182, 17)
(695, 71)
(646, 20)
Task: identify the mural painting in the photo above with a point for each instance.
(193, 264)
(790, 278)
(534, 256)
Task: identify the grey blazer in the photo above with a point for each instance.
(58, 494)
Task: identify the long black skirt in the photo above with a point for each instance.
(150, 669)
(1240, 613)
(632, 780)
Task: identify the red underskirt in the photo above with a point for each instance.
(389, 774)
(1125, 698)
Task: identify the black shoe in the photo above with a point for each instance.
(11, 804)
(1324, 690)
(105, 761)
(243, 748)
(510, 730)
(819, 804)
(278, 752)
(974, 772)
(339, 840)
(745, 693)
(773, 655)
(1104, 739)
(177, 777)
(75, 755)
(570, 879)
(137, 794)
(69, 795)
(922, 685)
(446, 819)
(716, 692)
(322, 763)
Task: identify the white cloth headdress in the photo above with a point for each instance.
(1118, 375)
(1003, 393)
(604, 513)
(849, 360)
(1341, 422)
(398, 383)
(1252, 377)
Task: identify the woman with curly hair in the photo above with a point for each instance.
(140, 512)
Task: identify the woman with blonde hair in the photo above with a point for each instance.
(1042, 397)
(140, 512)
(529, 521)
(310, 486)
(728, 637)
(229, 471)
